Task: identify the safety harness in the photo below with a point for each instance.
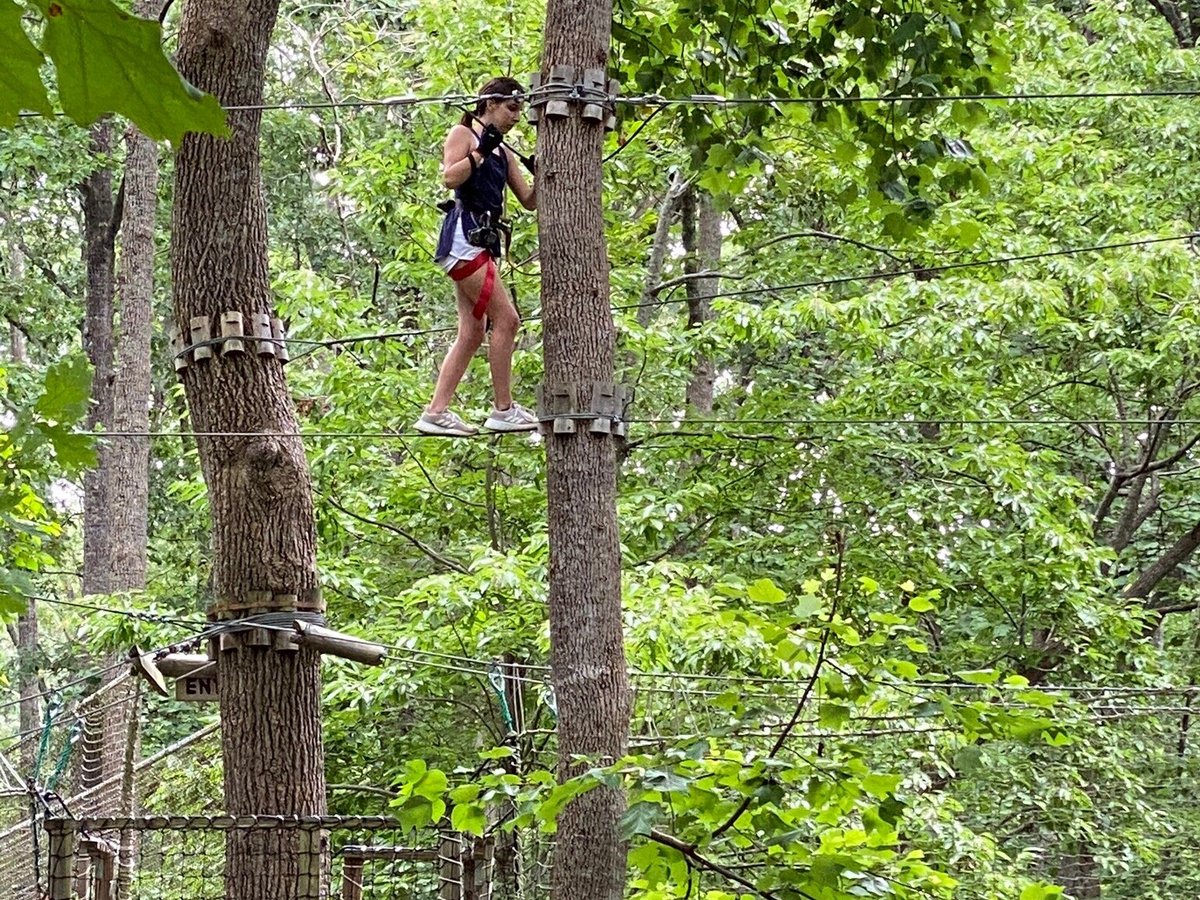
(466, 268)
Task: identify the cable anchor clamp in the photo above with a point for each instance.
(562, 407)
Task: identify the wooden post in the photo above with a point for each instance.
(103, 878)
(450, 873)
(352, 876)
(61, 834)
(177, 665)
(477, 870)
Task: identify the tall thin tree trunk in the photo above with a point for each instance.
(98, 254)
(264, 535)
(28, 665)
(676, 187)
(128, 459)
(702, 241)
(587, 655)
(16, 273)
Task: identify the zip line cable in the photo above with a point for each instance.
(660, 101)
(695, 426)
(160, 618)
(920, 272)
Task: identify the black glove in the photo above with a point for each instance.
(490, 139)
(530, 162)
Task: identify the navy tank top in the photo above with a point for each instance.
(482, 193)
(484, 190)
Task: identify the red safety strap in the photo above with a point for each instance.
(466, 268)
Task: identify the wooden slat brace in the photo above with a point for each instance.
(179, 350)
(201, 333)
(594, 89)
(261, 322)
(144, 665)
(560, 83)
(561, 407)
(279, 333)
(176, 665)
(231, 333)
(532, 112)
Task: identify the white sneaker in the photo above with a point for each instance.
(444, 424)
(515, 418)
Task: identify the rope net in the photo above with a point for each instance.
(86, 762)
(347, 857)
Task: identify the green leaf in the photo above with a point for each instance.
(831, 715)
(64, 398)
(640, 819)
(902, 668)
(881, 786)
(1041, 892)
(431, 785)
(468, 817)
(21, 85)
(14, 588)
(920, 604)
(807, 606)
(666, 781)
(979, 676)
(109, 61)
(765, 591)
(74, 452)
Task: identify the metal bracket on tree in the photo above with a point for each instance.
(243, 619)
(285, 622)
(268, 334)
(561, 406)
(565, 88)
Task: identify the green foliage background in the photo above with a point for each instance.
(902, 509)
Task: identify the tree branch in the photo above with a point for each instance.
(692, 855)
(1179, 27)
(1161, 611)
(808, 688)
(825, 236)
(47, 272)
(1164, 565)
(445, 561)
(658, 249)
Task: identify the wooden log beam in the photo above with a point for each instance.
(326, 640)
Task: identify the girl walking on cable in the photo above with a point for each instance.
(478, 168)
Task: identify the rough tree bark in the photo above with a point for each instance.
(264, 537)
(587, 655)
(25, 638)
(98, 255)
(676, 187)
(127, 462)
(15, 260)
(702, 242)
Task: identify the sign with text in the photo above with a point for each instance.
(196, 688)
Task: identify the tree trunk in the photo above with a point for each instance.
(97, 194)
(676, 186)
(128, 459)
(587, 656)
(264, 537)
(702, 241)
(17, 350)
(28, 665)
